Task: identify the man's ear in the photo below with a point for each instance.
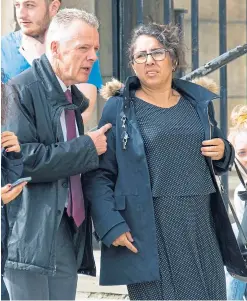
(54, 7)
(54, 49)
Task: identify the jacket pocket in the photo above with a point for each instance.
(120, 202)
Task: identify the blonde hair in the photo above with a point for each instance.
(239, 122)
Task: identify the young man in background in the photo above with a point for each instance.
(20, 48)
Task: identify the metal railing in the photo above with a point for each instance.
(218, 62)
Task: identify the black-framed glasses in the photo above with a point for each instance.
(157, 55)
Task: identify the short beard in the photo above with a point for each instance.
(43, 27)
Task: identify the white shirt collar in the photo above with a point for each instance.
(62, 84)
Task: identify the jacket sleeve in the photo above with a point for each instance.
(225, 164)
(47, 163)
(100, 184)
(13, 166)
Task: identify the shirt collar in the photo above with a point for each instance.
(62, 84)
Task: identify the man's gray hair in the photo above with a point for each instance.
(63, 19)
(67, 15)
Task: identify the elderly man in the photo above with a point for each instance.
(20, 48)
(50, 228)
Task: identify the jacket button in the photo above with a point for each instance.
(65, 185)
(58, 212)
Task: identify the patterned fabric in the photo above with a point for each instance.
(173, 140)
(190, 261)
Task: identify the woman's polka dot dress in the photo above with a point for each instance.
(191, 266)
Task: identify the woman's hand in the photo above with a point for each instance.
(10, 142)
(125, 240)
(214, 148)
(8, 194)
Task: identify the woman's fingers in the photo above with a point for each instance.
(10, 195)
(213, 156)
(129, 236)
(5, 188)
(15, 148)
(213, 148)
(11, 143)
(8, 138)
(125, 240)
(130, 246)
(215, 141)
(6, 134)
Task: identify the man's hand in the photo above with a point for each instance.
(214, 148)
(125, 240)
(9, 141)
(8, 194)
(99, 138)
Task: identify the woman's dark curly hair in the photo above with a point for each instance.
(170, 36)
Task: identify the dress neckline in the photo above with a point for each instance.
(158, 107)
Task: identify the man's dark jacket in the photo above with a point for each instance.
(34, 220)
(120, 191)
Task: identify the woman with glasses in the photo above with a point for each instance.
(151, 197)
